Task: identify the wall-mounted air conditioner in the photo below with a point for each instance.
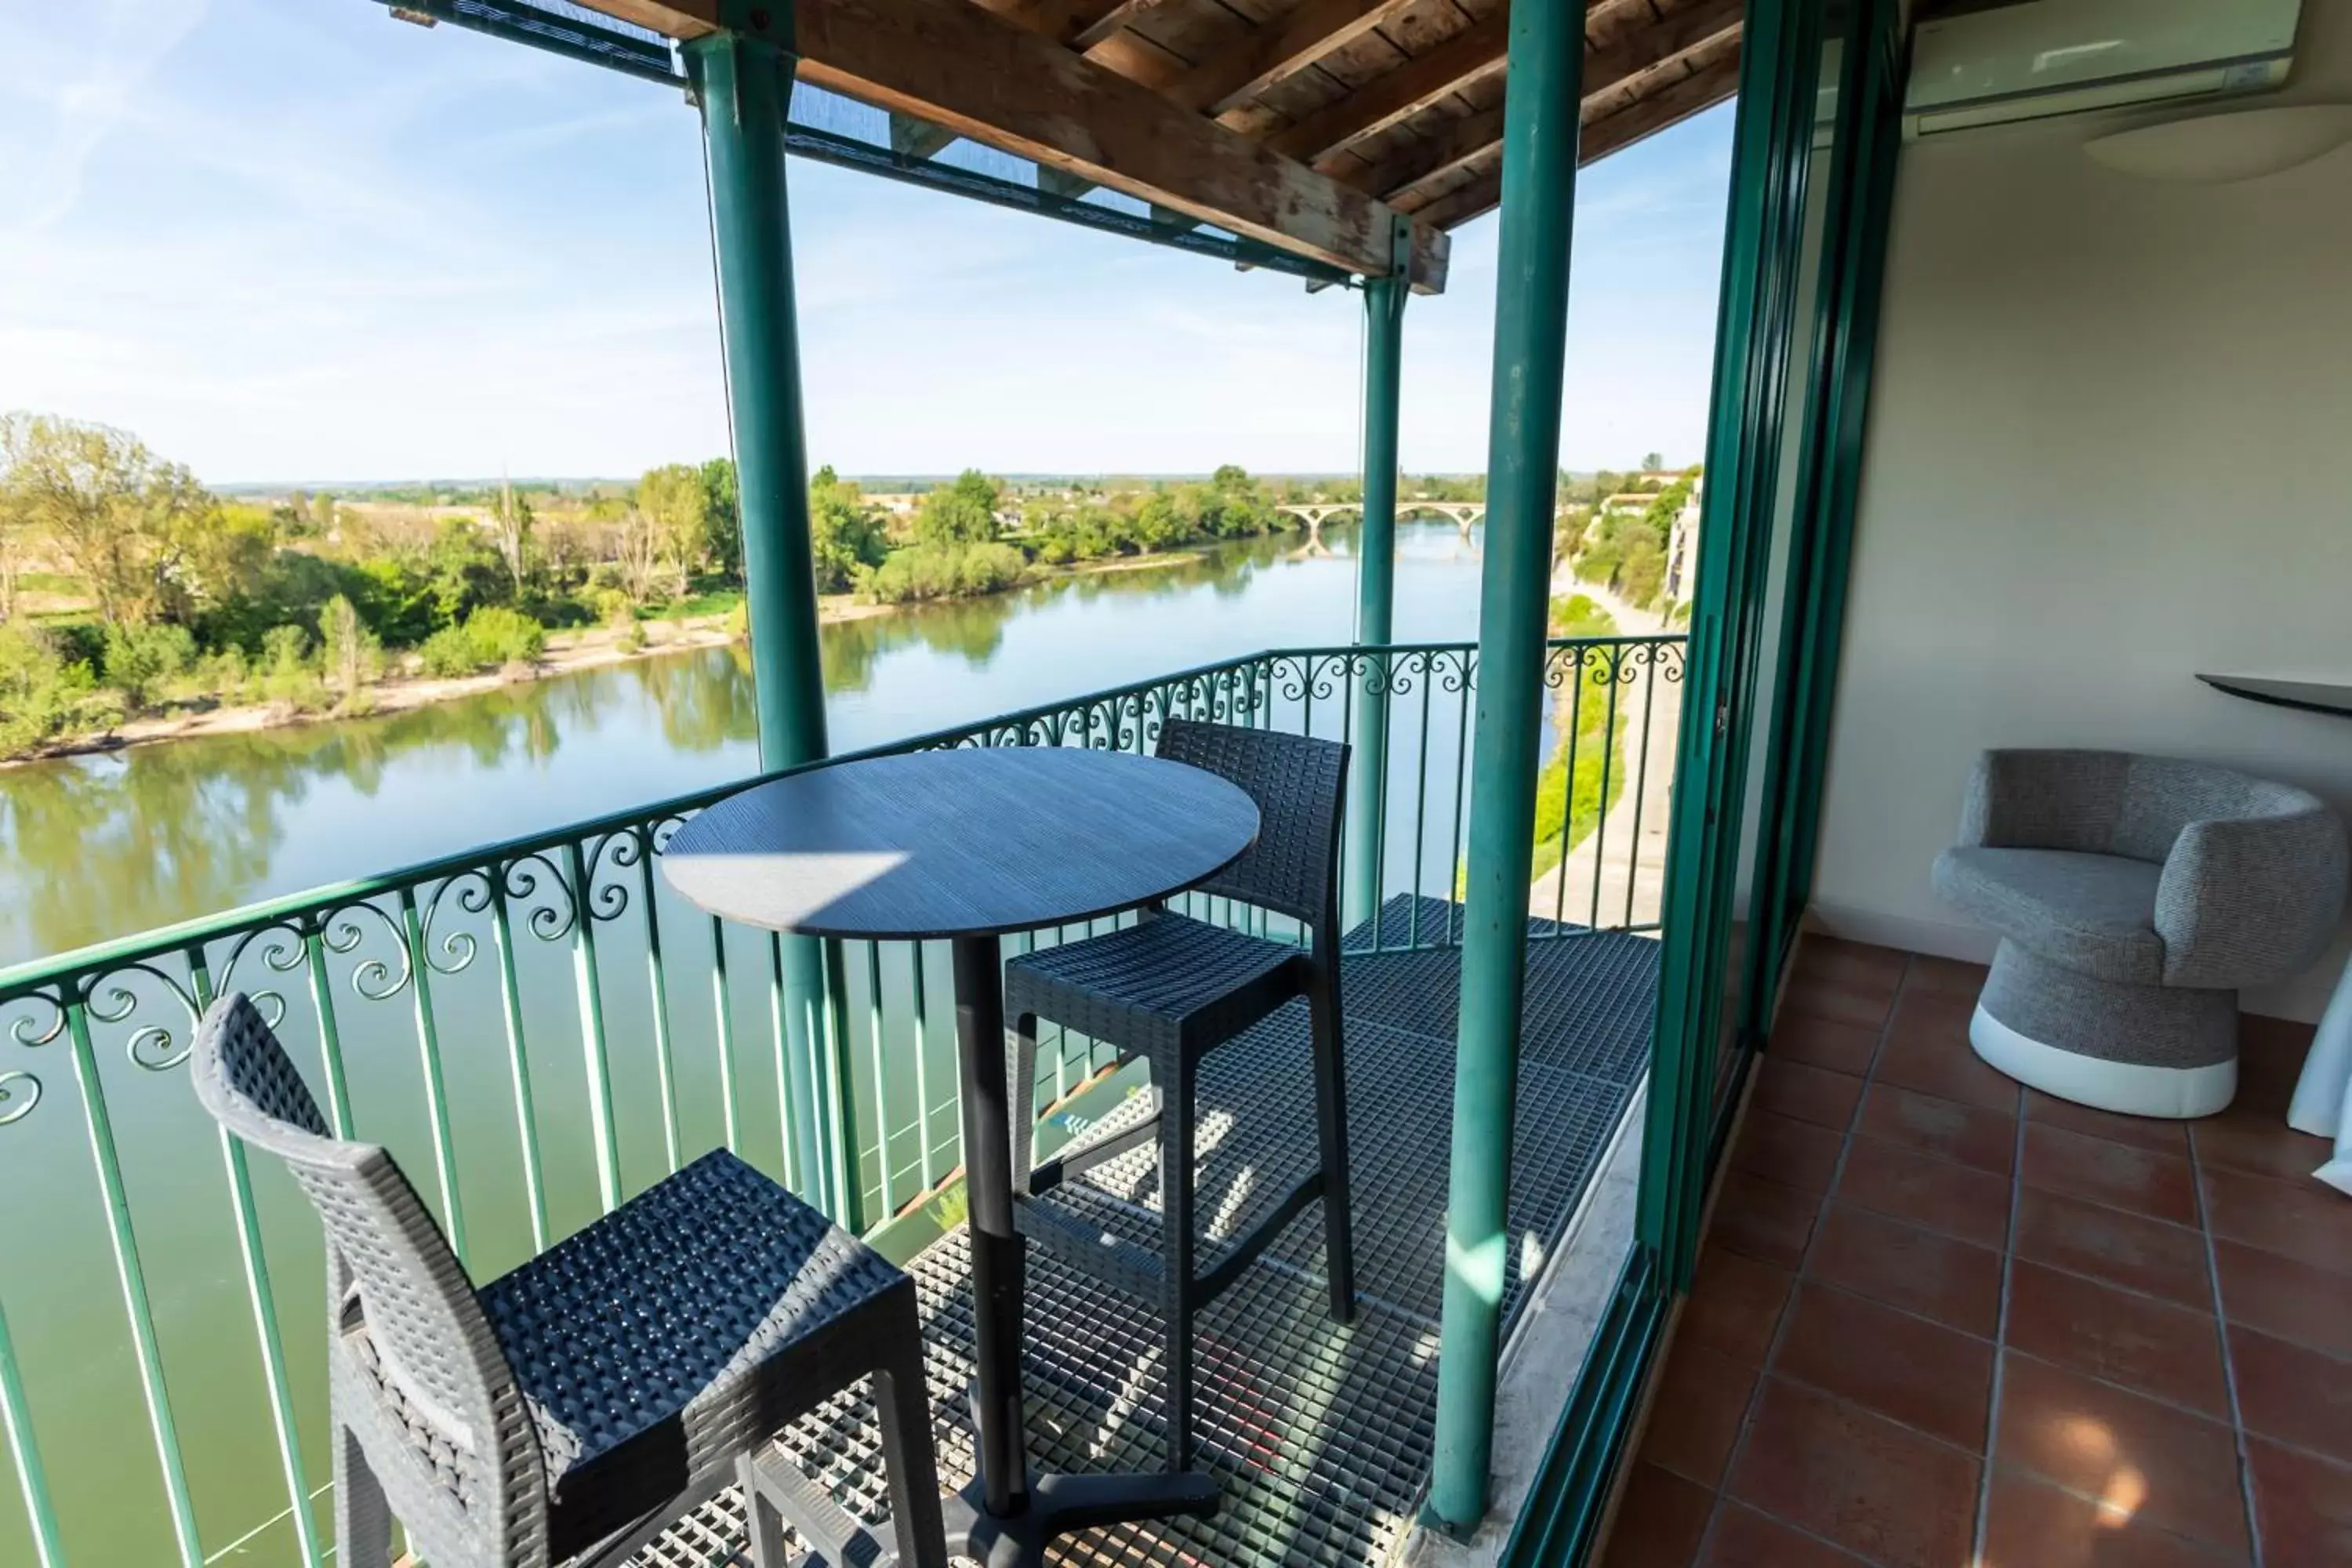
(2046, 58)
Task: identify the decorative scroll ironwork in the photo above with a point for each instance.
(388, 938)
(20, 1088)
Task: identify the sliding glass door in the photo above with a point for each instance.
(1815, 146)
(1811, 175)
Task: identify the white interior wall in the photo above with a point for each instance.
(2110, 446)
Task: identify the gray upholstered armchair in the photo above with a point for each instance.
(2134, 896)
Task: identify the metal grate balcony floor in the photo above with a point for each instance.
(1319, 1432)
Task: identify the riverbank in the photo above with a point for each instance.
(566, 653)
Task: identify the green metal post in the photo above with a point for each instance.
(1384, 300)
(32, 1481)
(1539, 131)
(745, 81)
(743, 76)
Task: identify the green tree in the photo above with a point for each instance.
(1651, 462)
(844, 533)
(43, 693)
(963, 513)
(142, 658)
(286, 673)
(466, 571)
(110, 511)
(1641, 567)
(676, 505)
(511, 520)
(352, 654)
(725, 516)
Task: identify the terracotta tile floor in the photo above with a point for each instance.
(1941, 1323)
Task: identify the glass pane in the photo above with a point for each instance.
(1772, 616)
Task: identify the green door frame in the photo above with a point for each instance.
(1779, 62)
(1854, 264)
(1568, 1500)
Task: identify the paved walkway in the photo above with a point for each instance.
(1627, 856)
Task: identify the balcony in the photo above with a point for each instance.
(539, 1029)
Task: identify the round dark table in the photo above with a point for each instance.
(968, 845)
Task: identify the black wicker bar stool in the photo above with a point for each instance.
(571, 1411)
(1170, 990)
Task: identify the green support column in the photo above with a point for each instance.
(1540, 129)
(1384, 300)
(743, 77)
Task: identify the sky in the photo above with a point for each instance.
(299, 241)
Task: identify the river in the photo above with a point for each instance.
(107, 845)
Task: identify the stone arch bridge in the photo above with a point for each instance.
(1464, 514)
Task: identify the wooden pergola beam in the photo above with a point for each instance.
(1693, 29)
(1702, 89)
(1469, 56)
(1281, 49)
(963, 68)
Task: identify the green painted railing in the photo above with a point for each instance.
(538, 1028)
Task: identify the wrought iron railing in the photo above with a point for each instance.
(539, 1027)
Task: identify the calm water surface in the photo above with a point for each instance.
(101, 847)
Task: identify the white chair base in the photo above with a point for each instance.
(2177, 1093)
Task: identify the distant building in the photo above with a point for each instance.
(1682, 546)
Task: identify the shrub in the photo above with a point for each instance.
(943, 572)
(225, 675)
(44, 693)
(503, 635)
(447, 653)
(351, 652)
(283, 650)
(141, 660)
(489, 637)
(286, 674)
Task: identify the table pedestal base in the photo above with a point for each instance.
(1059, 1504)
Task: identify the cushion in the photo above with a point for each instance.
(2091, 913)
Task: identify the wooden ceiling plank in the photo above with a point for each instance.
(679, 18)
(1693, 29)
(1669, 106)
(1060, 20)
(1702, 89)
(1284, 49)
(1113, 22)
(1470, 54)
(1419, 162)
(967, 70)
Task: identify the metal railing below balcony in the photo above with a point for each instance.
(539, 1027)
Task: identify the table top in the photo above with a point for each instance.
(2314, 696)
(959, 843)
